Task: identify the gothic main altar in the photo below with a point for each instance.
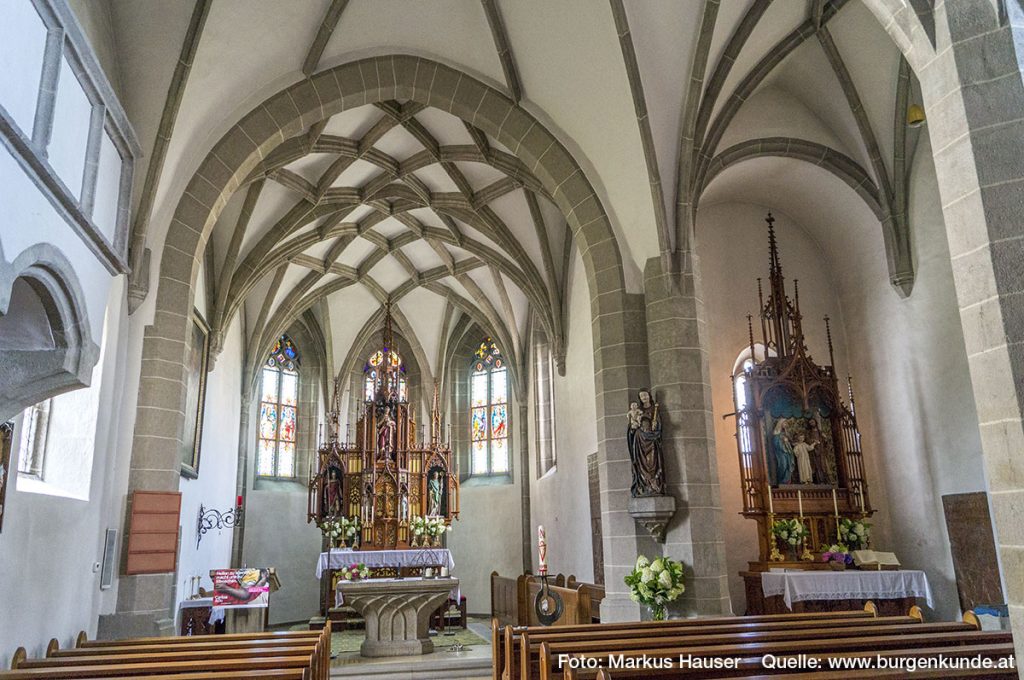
(385, 478)
(387, 492)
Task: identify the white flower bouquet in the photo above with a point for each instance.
(790, 531)
(655, 584)
(436, 526)
(854, 533)
(341, 529)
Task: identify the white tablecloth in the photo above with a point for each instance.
(796, 585)
(216, 613)
(414, 557)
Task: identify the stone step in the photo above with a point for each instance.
(437, 666)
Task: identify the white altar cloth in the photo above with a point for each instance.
(337, 558)
(797, 585)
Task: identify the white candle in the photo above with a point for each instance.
(800, 500)
(542, 550)
(771, 507)
(860, 494)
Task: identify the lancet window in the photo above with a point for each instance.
(278, 421)
(489, 417)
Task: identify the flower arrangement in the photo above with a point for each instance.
(340, 529)
(790, 531)
(655, 584)
(418, 526)
(355, 572)
(436, 526)
(837, 555)
(854, 533)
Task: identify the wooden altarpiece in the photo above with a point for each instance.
(785, 400)
(385, 477)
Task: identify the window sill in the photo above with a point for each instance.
(31, 484)
(488, 480)
(550, 472)
(281, 484)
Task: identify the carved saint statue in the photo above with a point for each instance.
(386, 434)
(782, 450)
(643, 436)
(434, 507)
(333, 493)
(403, 505)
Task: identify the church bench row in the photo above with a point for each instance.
(753, 666)
(303, 656)
(993, 644)
(512, 599)
(509, 657)
(923, 674)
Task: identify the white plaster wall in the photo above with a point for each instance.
(914, 401)
(49, 544)
(560, 500)
(215, 486)
(28, 219)
(913, 385)
(733, 249)
(278, 536)
(488, 534)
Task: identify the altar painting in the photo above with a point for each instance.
(799, 443)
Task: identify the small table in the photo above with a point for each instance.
(199, 616)
(397, 612)
(804, 586)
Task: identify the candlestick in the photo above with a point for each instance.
(835, 506)
(800, 501)
(542, 550)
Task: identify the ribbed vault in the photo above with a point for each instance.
(383, 201)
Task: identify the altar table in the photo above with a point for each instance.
(412, 559)
(397, 612)
(850, 584)
(337, 558)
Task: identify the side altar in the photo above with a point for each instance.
(385, 493)
(801, 464)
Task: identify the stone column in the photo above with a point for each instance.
(677, 353)
(620, 364)
(974, 95)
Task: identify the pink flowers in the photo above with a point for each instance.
(354, 572)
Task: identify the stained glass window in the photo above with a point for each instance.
(488, 397)
(277, 428)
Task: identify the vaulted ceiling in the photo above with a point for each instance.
(404, 202)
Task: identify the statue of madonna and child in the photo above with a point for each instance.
(643, 437)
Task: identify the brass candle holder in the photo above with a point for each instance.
(775, 555)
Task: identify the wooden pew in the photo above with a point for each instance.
(901, 644)
(285, 657)
(512, 599)
(505, 643)
(751, 666)
(82, 641)
(849, 675)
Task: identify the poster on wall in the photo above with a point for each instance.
(6, 432)
(196, 362)
(241, 587)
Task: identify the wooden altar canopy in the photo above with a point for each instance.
(797, 439)
(385, 478)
